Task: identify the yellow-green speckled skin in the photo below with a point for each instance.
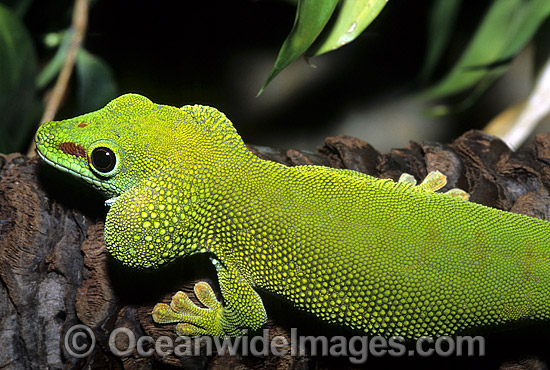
(374, 255)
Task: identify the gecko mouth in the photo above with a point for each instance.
(68, 170)
(80, 172)
(57, 165)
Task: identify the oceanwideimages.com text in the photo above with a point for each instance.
(80, 341)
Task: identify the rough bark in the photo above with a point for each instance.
(55, 272)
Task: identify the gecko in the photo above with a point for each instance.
(373, 255)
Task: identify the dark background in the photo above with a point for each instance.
(219, 53)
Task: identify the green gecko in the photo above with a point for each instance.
(374, 255)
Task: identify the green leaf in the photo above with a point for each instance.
(54, 66)
(19, 106)
(504, 31)
(311, 18)
(477, 91)
(19, 7)
(441, 24)
(95, 83)
(353, 17)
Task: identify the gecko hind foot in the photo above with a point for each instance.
(458, 193)
(434, 181)
(193, 320)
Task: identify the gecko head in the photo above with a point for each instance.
(132, 138)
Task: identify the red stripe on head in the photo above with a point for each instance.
(73, 149)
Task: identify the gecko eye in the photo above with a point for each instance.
(103, 159)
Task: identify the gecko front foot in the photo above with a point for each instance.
(193, 320)
(242, 309)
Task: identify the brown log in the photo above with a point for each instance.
(55, 272)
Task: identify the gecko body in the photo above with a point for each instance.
(374, 255)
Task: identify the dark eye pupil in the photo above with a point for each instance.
(103, 159)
